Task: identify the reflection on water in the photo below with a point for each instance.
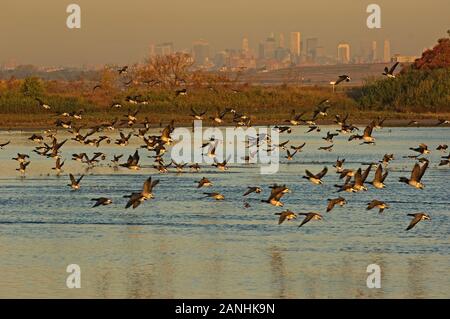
(180, 246)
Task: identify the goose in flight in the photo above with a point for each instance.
(340, 79)
(416, 176)
(317, 178)
(377, 204)
(103, 201)
(250, 190)
(276, 194)
(309, 217)
(286, 215)
(75, 184)
(204, 182)
(42, 104)
(378, 180)
(215, 195)
(390, 72)
(335, 201)
(417, 218)
(135, 199)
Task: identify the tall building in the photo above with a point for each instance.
(373, 54)
(245, 46)
(201, 52)
(311, 48)
(343, 53)
(281, 43)
(295, 44)
(163, 49)
(269, 47)
(387, 51)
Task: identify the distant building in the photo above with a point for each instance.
(404, 58)
(295, 44)
(311, 48)
(343, 53)
(373, 55)
(269, 48)
(163, 49)
(387, 51)
(201, 52)
(281, 43)
(245, 46)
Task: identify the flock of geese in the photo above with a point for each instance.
(354, 181)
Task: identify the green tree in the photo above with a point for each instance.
(33, 87)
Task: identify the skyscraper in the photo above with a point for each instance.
(201, 52)
(281, 43)
(311, 46)
(373, 55)
(163, 49)
(295, 44)
(343, 53)
(387, 51)
(245, 46)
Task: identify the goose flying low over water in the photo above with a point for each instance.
(215, 195)
(250, 190)
(378, 180)
(417, 218)
(416, 176)
(335, 201)
(75, 183)
(377, 204)
(286, 215)
(422, 149)
(317, 178)
(276, 194)
(135, 199)
(309, 217)
(2, 145)
(102, 201)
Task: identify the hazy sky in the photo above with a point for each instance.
(117, 31)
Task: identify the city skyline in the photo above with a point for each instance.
(109, 34)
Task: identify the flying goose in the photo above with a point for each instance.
(23, 167)
(326, 148)
(250, 190)
(43, 104)
(330, 136)
(197, 115)
(215, 195)
(290, 156)
(378, 180)
(335, 201)
(298, 148)
(181, 92)
(75, 184)
(286, 215)
(377, 204)
(390, 72)
(58, 166)
(340, 79)
(316, 179)
(132, 162)
(417, 218)
(276, 194)
(36, 138)
(309, 217)
(135, 199)
(339, 165)
(416, 175)
(103, 201)
(442, 148)
(21, 157)
(422, 149)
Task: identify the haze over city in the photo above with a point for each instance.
(117, 32)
